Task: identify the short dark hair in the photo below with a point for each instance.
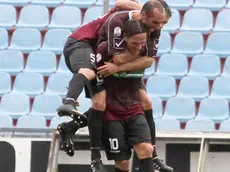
(133, 27)
(150, 5)
(166, 7)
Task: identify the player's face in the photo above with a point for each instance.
(156, 21)
(136, 42)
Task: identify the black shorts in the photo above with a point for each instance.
(80, 54)
(120, 136)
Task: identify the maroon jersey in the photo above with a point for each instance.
(89, 32)
(113, 31)
(122, 94)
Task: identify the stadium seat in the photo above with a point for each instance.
(174, 23)
(55, 121)
(200, 125)
(58, 84)
(15, 105)
(167, 124)
(226, 69)
(181, 108)
(92, 13)
(222, 24)
(196, 87)
(111, 3)
(80, 3)
(180, 4)
(225, 126)
(84, 103)
(188, 43)
(33, 16)
(31, 84)
(215, 109)
(161, 86)
(26, 40)
(7, 16)
(228, 4)
(62, 17)
(3, 39)
(5, 83)
(214, 5)
(62, 68)
(198, 20)
(55, 39)
(174, 65)
(6, 121)
(164, 43)
(16, 3)
(46, 105)
(205, 65)
(157, 107)
(43, 62)
(221, 87)
(149, 71)
(29, 121)
(48, 3)
(11, 61)
(218, 43)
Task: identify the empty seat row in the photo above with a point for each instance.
(35, 16)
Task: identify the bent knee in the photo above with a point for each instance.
(146, 102)
(88, 73)
(99, 101)
(144, 150)
(123, 165)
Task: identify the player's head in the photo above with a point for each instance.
(135, 35)
(153, 14)
(167, 9)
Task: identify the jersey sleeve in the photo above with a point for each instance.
(152, 43)
(102, 54)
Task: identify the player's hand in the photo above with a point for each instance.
(107, 69)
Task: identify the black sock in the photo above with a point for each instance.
(119, 170)
(95, 122)
(135, 163)
(76, 86)
(87, 112)
(152, 127)
(146, 165)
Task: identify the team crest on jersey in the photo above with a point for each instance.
(117, 31)
(98, 58)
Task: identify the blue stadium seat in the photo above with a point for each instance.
(196, 87)
(225, 126)
(205, 65)
(58, 84)
(62, 17)
(161, 86)
(46, 105)
(221, 87)
(11, 61)
(181, 108)
(149, 71)
(218, 43)
(228, 4)
(214, 5)
(157, 107)
(16, 3)
(84, 103)
(164, 43)
(180, 4)
(48, 3)
(174, 65)
(188, 43)
(5, 83)
(26, 40)
(15, 105)
(215, 109)
(200, 125)
(226, 69)
(55, 39)
(80, 3)
(3, 39)
(6, 121)
(62, 68)
(58, 120)
(31, 84)
(92, 13)
(29, 121)
(43, 62)
(198, 20)
(33, 16)
(174, 23)
(7, 16)
(222, 24)
(167, 124)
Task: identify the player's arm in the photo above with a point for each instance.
(127, 5)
